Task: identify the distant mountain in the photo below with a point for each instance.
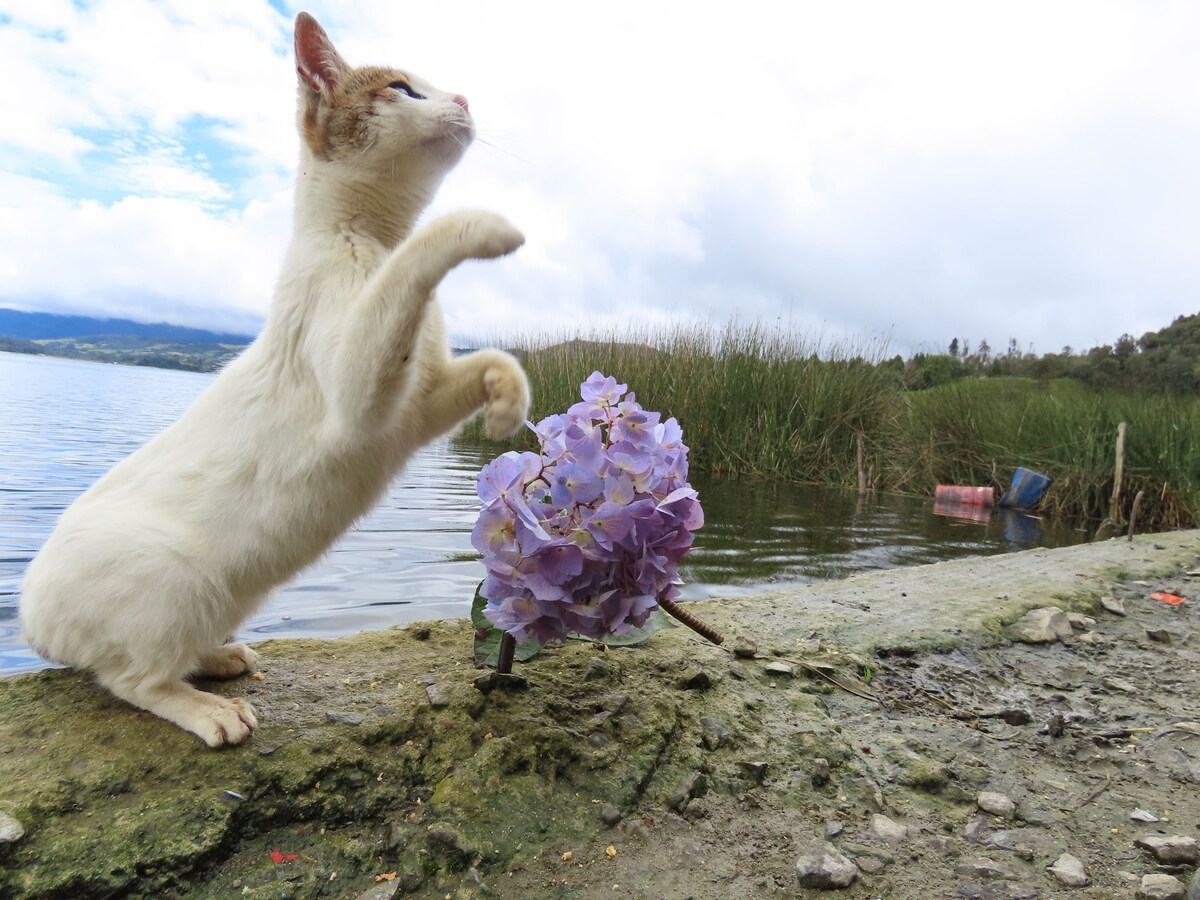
(118, 341)
(49, 326)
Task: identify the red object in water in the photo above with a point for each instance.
(961, 494)
(1171, 599)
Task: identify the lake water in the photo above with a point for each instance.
(63, 423)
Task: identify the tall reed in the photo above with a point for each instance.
(760, 401)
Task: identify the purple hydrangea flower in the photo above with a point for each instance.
(586, 536)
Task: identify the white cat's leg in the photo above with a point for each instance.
(491, 379)
(226, 661)
(216, 720)
(384, 323)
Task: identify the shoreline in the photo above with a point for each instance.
(707, 774)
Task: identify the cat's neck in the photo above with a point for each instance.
(379, 211)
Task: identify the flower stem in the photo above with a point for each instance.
(508, 646)
(670, 607)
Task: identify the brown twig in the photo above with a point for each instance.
(671, 608)
(508, 647)
(1137, 502)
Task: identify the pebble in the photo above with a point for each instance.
(695, 680)
(1080, 621)
(888, 831)
(997, 804)
(609, 814)
(1113, 605)
(439, 695)
(495, 681)
(1160, 887)
(976, 831)
(744, 648)
(871, 860)
(982, 867)
(1159, 635)
(11, 830)
(1041, 626)
(714, 733)
(756, 770)
(824, 868)
(1119, 684)
(597, 670)
(1143, 815)
(343, 718)
(821, 773)
(833, 828)
(1170, 849)
(780, 669)
(1069, 870)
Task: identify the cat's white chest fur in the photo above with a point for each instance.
(149, 571)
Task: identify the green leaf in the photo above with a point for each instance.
(657, 622)
(487, 647)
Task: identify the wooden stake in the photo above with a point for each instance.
(508, 647)
(1114, 507)
(862, 472)
(1137, 502)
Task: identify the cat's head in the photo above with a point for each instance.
(375, 117)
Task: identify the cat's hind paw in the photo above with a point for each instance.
(507, 404)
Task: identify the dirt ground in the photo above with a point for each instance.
(1079, 734)
(861, 720)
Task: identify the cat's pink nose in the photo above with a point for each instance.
(461, 101)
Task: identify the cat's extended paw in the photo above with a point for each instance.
(486, 235)
(507, 404)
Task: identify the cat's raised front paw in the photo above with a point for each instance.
(487, 235)
(507, 400)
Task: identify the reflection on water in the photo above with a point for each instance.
(63, 423)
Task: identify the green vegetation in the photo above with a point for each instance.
(759, 402)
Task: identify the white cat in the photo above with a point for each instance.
(150, 570)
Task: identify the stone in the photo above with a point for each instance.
(824, 868)
(833, 828)
(439, 696)
(779, 669)
(695, 680)
(1143, 815)
(976, 831)
(1113, 605)
(343, 718)
(1160, 887)
(1069, 871)
(494, 681)
(1119, 684)
(714, 733)
(597, 670)
(1041, 626)
(821, 773)
(756, 769)
(385, 890)
(985, 869)
(609, 814)
(1159, 635)
(1170, 849)
(997, 804)
(1080, 621)
(744, 648)
(11, 830)
(888, 831)
(871, 860)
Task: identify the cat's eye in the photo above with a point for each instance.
(404, 89)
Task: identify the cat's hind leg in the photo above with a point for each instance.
(226, 661)
(217, 721)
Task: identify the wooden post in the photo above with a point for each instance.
(1114, 507)
(1137, 502)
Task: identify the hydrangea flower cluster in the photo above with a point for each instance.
(585, 537)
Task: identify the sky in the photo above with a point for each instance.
(895, 173)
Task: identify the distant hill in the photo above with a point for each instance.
(43, 326)
(118, 340)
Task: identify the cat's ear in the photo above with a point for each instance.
(317, 61)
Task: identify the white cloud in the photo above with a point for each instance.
(929, 170)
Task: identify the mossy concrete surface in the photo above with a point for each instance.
(377, 757)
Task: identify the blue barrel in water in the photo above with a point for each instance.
(1026, 490)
